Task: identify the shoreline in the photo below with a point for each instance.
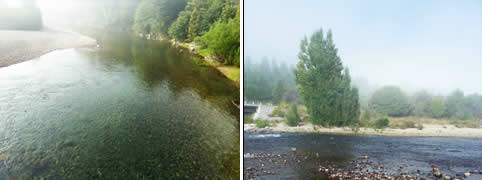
(20, 46)
(210, 60)
(429, 130)
(206, 58)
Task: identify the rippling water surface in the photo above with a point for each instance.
(451, 155)
(130, 109)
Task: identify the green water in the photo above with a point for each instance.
(130, 109)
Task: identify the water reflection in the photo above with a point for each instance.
(129, 109)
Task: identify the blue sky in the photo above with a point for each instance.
(434, 45)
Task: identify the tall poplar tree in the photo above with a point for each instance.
(324, 84)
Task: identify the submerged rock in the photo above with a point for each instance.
(66, 143)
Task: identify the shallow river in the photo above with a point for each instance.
(130, 109)
(396, 154)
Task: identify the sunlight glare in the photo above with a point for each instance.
(13, 4)
(55, 6)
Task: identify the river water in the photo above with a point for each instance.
(130, 109)
(451, 155)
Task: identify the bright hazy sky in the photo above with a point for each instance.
(434, 45)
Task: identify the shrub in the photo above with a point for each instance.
(277, 112)
(420, 126)
(262, 124)
(404, 124)
(365, 119)
(283, 104)
(248, 120)
(292, 117)
(381, 123)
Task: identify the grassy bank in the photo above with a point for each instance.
(429, 130)
(412, 126)
(231, 72)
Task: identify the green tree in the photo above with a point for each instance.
(292, 117)
(178, 29)
(222, 40)
(213, 13)
(278, 92)
(391, 101)
(437, 107)
(455, 105)
(228, 12)
(473, 103)
(156, 16)
(323, 88)
(421, 103)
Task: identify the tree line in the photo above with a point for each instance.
(392, 101)
(211, 24)
(269, 81)
(324, 86)
(214, 25)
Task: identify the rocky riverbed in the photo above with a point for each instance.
(314, 156)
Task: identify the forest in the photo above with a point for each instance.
(212, 26)
(323, 87)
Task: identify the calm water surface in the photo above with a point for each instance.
(131, 109)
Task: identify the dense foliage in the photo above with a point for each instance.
(391, 101)
(269, 81)
(27, 17)
(156, 16)
(222, 40)
(292, 117)
(212, 24)
(324, 84)
(381, 123)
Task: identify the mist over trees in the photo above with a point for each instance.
(392, 101)
(214, 25)
(26, 17)
(325, 85)
(269, 81)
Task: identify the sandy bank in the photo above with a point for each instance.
(19, 46)
(429, 130)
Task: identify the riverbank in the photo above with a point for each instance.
(231, 72)
(429, 130)
(20, 46)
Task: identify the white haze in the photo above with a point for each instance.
(432, 45)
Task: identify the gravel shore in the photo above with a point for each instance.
(19, 46)
(429, 130)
